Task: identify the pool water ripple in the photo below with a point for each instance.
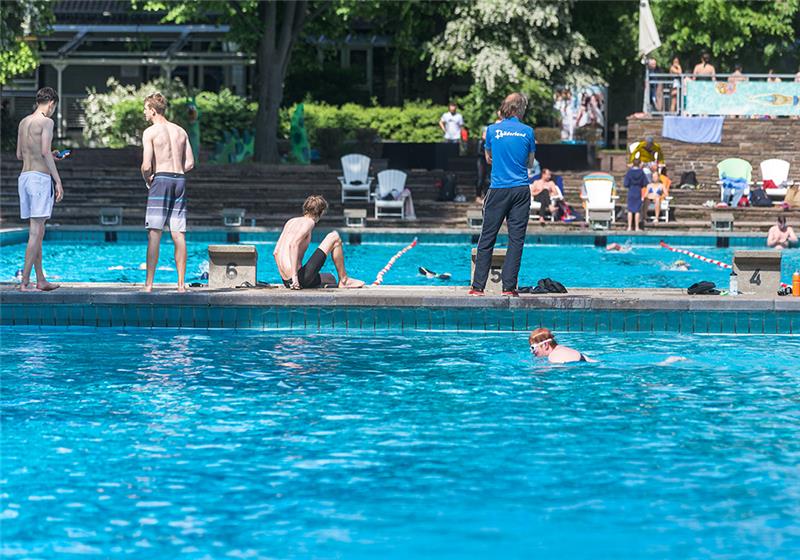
(448, 445)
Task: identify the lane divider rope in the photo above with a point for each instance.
(388, 267)
(704, 259)
(695, 255)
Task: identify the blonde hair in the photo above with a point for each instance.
(315, 206)
(541, 335)
(157, 102)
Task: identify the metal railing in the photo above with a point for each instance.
(665, 94)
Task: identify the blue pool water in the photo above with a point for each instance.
(157, 444)
(573, 265)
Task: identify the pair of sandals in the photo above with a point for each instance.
(544, 286)
(703, 288)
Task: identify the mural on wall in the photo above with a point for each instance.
(742, 98)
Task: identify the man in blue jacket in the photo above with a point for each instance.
(510, 147)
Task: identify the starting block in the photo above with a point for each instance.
(759, 272)
(474, 219)
(722, 221)
(231, 265)
(233, 217)
(494, 283)
(355, 217)
(111, 216)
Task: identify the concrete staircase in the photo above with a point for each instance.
(271, 194)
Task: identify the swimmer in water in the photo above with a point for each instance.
(626, 248)
(544, 345)
(680, 264)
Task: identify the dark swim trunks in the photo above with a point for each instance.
(308, 275)
(166, 200)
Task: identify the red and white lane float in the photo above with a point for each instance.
(702, 258)
(388, 267)
(695, 256)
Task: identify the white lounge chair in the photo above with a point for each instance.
(390, 182)
(356, 182)
(632, 147)
(599, 199)
(777, 171)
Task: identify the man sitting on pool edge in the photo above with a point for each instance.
(292, 245)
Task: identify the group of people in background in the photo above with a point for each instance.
(589, 111)
(703, 70)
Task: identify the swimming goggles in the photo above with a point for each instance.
(535, 345)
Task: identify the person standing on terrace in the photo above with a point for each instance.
(166, 158)
(704, 68)
(451, 123)
(676, 70)
(39, 183)
(510, 150)
(293, 243)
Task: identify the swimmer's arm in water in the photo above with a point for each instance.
(147, 157)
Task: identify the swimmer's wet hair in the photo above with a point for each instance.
(46, 95)
(157, 102)
(542, 335)
(315, 206)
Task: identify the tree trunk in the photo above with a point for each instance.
(274, 52)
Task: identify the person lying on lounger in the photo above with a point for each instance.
(292, 245)
(543, 345)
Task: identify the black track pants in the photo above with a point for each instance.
(513, 206)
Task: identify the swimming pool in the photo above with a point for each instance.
(573, 261)
(161, 444)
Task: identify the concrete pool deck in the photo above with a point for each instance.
(394, 296)
(397, 307)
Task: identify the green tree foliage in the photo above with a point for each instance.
(759, 34)
(525, 45)
(728, 30)
(269, 28)
(20, 23)
(114, 119)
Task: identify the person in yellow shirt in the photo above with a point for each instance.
(646, 152)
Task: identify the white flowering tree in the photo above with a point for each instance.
(512, 44)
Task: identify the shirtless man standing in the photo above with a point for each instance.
(167, 156)
(294, 241)
(39, 183)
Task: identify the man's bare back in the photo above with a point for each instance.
(292, 245)
(704, 70)
(29, 143)
(168, 148)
